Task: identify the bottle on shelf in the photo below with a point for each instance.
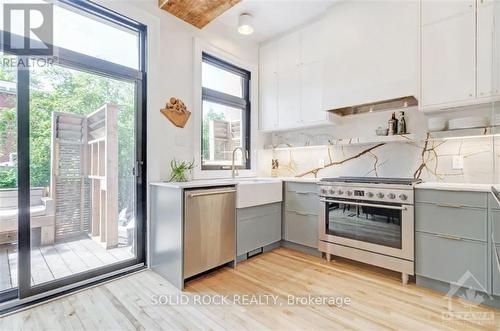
(402, 123)
(393, 125)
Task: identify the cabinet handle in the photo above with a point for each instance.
(446, 205)
(300, 192)
(447, 236)
(301, 213)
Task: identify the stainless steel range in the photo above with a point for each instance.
(370, 220)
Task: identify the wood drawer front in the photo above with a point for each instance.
(302, 201)
(301, 187)
(262, 229)
(496, 272)
(301, 229)
(452, 198)
(466, 223)
(449, 260)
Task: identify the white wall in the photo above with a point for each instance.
(170, 73)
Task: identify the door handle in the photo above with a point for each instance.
(194, 195)
(365, 204)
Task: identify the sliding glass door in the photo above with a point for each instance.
(8, 179)
(72, 184)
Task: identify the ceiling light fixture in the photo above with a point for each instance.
(245, 24)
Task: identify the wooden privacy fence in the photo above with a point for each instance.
(84, 175)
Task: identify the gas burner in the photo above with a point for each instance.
(372, 180)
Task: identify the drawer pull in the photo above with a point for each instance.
(301, 192)
(447, 205)
(447, 236)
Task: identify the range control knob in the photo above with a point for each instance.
(324, 190)
(349, 193)
(369, 194)
(391, 196)
(380, 195)
(332, 191)
(340, 192)
(403, 197)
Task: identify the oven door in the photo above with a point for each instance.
(376, 227)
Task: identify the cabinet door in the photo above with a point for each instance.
(268, 87)
(311, 109)
(495, 268)
(288, 52)
(289, 81)
(449, 60)
(314, 42)
(438, 10)
(487, 49)
(301, 228)
(451, 261)
(289, 98)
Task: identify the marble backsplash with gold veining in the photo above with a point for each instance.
(430, 160)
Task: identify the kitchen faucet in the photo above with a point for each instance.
(234, 170)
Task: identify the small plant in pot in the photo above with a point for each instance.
(181, 171)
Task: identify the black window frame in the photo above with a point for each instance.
(229, 100)
(71, 59)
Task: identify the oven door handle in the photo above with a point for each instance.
(364, 204)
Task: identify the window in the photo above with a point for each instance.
(226, 115)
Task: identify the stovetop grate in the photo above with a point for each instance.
(373, 180)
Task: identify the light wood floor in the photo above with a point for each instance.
(63, 259)
(379, 301)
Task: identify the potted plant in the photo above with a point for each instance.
(181, 171)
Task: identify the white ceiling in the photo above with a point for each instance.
(274, 17)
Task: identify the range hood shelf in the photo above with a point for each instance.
(392, 104)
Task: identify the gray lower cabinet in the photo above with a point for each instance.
(495, 268)
(452, 237)
(301, 228)
(257, 227)
(455, 261)
(463, 222)
(300, 218)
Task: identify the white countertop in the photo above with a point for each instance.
(236, 181)
(300, 179)
(196, 183)
(456, 186)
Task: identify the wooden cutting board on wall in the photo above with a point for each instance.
(197, 12)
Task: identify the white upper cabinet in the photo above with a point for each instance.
(289, 52)
(291, 96)
(459, 53)
(311, 108)
(268, 87)
(438, 10)
(487, 49)
(373, 53)
(448, 60)
(314, 42)
(289, 81)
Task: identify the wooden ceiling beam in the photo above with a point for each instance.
(197, 12)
